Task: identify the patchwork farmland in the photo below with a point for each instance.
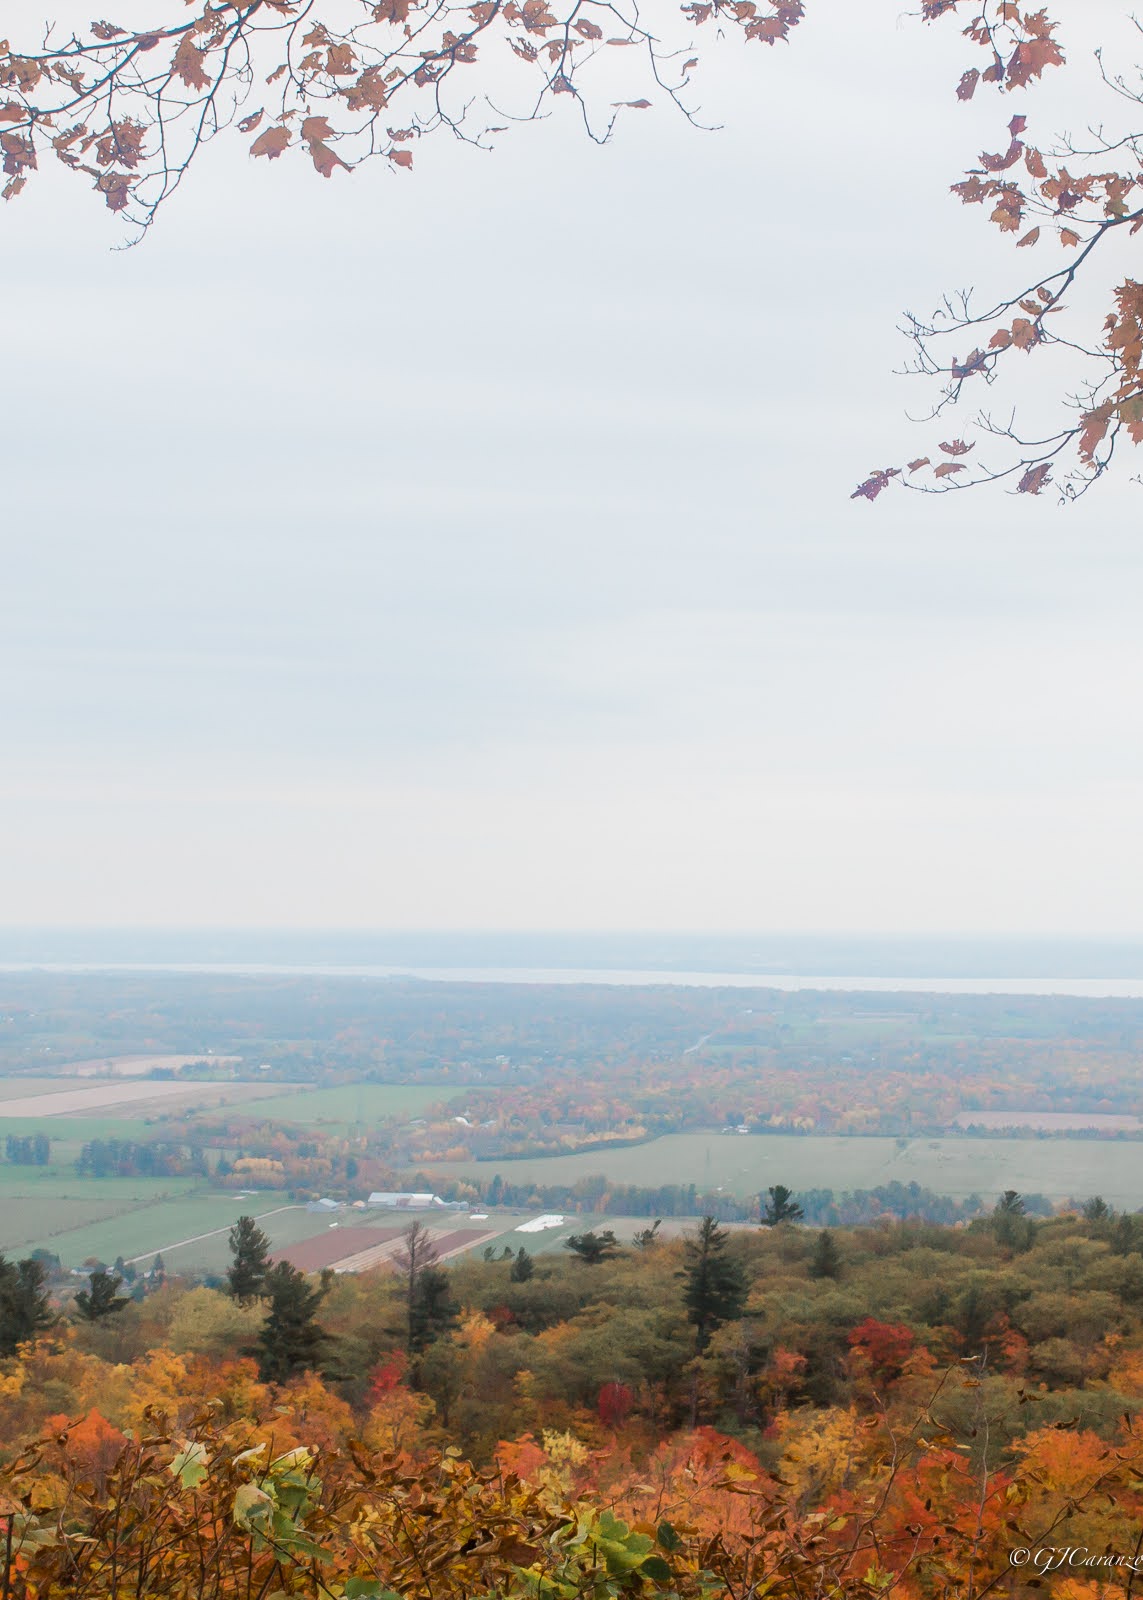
(358, 1249)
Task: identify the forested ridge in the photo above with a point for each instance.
(740, 1412)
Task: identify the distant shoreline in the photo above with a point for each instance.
(1064, 988)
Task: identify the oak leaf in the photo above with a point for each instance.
(957, 447)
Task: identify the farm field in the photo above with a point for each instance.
(71, 1132)
(136, 1066)
(359, 1247)
(1059, 1168)
(21, 1088)
(66, 1100)
(39, 1207)
(189, 1230)
(347, 1104)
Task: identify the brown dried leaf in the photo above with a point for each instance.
(1095, 426)
(325, 159)
(1034, 479)
(873, 485)
(271, 143)
(187, 64)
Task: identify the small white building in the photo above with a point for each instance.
(403, 1201)
(324, 1205)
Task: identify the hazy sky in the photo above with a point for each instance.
(473, 548)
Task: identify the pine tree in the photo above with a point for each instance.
(522, 1268)
(434, 1309)
(781, 1206)
(593, 1247)
(715, 1285)
(102, 1297)
(1011, 1226)
(24, 1308)
(826, 1259)
(414, 1259)
(291, 1341)
(250, 1261)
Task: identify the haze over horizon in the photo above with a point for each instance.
(630, 952)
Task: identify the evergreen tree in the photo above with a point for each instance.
(1098, 1210)
(593, 1247)
(715, 1284)
(249, 1261)
(24, 1308)
(781, 1206)
(646, 1237)
(434, 1309)
(291, 1340)
(826, 1259)
(523, 1267)
(101, 1298)
(417, 1255)
(1011, 1226)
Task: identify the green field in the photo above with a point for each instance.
(163, 1224)
(39, 1205)
(350, 1103)
(75, 1130)
(1060, 1168)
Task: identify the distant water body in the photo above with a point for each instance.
(1079, 988)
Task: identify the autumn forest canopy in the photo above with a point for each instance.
(126, 104)
(233, 1364)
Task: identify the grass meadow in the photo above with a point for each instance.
(744, 1164)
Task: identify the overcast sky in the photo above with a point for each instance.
(472, 548)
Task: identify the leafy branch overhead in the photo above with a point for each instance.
(130, 109)
(340, 82)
